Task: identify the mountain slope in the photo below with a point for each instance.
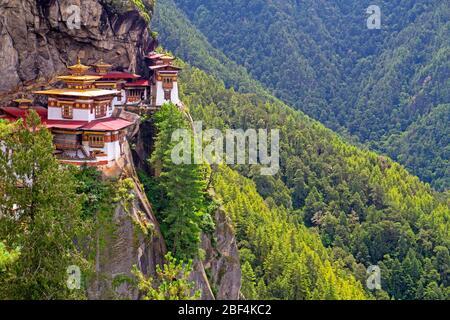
(367, 208)
(320, 57)
(424, 146)
(281, 259)
(362, 203)
(182, 36)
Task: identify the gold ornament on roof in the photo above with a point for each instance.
(23, 100)
(78, 69)
(102, 64)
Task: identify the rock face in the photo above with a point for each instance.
(218, 276)
(39, 38)
(132, 238)
(135, 240)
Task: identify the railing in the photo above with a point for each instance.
(96, 144)
(73, 147)
(67, 146)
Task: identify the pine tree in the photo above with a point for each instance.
(40, 213)
(183, 186)
(170, 283)
(248, 282)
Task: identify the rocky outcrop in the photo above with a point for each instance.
(39, 38)
(131, 238)
(143, 146)
(218, 275)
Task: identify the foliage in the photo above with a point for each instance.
(181, 36)
(319, 56)
(7, 258)
(171, 282)
(93, 190)
(145, 7)
(366, 207)
(124, 194)
(182, 200)
(40, 214)
(288, 260)
(425, 147)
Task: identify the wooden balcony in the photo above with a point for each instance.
(67, 146)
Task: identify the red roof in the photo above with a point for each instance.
(120, 75)
(14, 113)
(65, 124)
(110, 124)
(139, 83)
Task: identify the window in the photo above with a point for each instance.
(100, 111)
(135, 93)
(167, 95)
(67, 112)
(96, 141)
(167, 83)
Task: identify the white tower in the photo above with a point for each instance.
(164, 76)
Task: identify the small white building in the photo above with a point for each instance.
(163, 80)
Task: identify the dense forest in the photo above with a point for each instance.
(281, 258)
(367, 208)
(44, 208)
(373, 86)
(390, 231)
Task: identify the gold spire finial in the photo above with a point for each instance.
(101, 67)
(79, 69)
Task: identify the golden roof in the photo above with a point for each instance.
(102, 64)
(83, 93)
(79, 78)
(78, 69)
(23, 100)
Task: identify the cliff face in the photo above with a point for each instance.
(218, 275)
(38, 39)
(131, 238)
(36, 45)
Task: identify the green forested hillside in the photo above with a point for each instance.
(320, 57)
(370, 210)
(194, 47)
(281, 258)
(424, 146)
(367, 208)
